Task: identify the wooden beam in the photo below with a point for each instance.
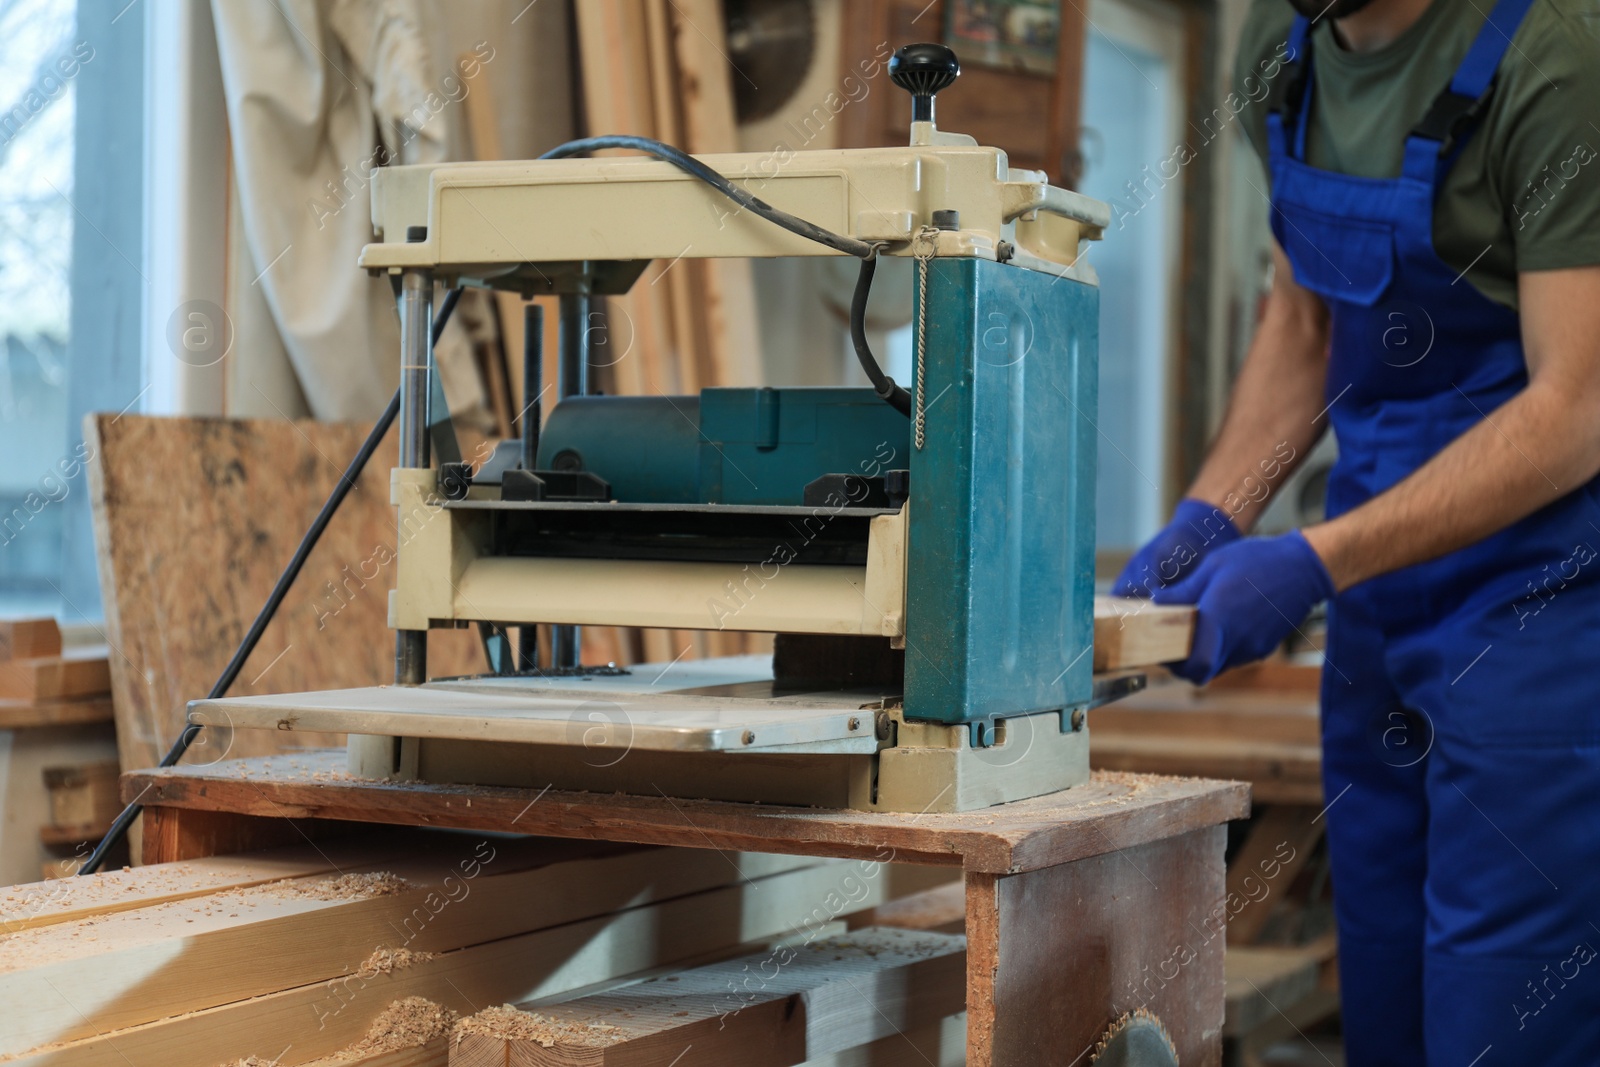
(805, 1001)
(942, 909)
(1140, 926)
(83, 793)
(1126, 809)
(72, 676)
(1278, 846)
(29, 638)
(1130, 632)
(15, 714)
(319, 1019)
(27, 907)
(318, 929)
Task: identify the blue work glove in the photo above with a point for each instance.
(1250, 595)
(1197, 529)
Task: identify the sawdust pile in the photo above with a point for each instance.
(408, 1023)
(343, 887)
(388, 960)
(511, 1024)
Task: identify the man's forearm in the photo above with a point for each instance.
(1276, 412)
(1538, 446)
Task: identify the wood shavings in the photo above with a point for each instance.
(388, 960)
(513, 1024)
(344, 886)
(408, 1023)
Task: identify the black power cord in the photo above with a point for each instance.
(866, 251)
(882, 384)
(230, 673)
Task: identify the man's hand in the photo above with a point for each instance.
(1197, 529)
(1249, 596)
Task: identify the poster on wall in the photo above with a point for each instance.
(1013, 34)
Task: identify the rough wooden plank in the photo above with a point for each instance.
(324, 928)
(317, 1020)
(1277, 773)
(942, 908)
(194, 520)
(72, 676)
(1278, 846)
(29, 638)
(1111, 811)
(26, 907)
(805, 1001)
(84, 793)
(1142, 926)
(16, 714)
(1136, 633)
(1262, 980)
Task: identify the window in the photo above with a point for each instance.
(38, 68)
(71, 169)
(1132, 116)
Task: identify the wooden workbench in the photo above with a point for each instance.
(1080, 905)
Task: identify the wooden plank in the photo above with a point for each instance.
(27, 907)
(1129, 632)
(724, 288)
(183, 574)
(318, 929)
(1261, 981)
(83, 793)
(317, 1020)
(942, 909)
(17, 714)
(29, 638)
(1111, 811)
(1277, 773)
(71, 676)
(1279, 844)
(1139, 926)
(807, 1001)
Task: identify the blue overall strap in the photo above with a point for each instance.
(1296, 88)
(1434, 142)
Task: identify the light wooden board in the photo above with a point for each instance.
(26, 907)
(27, 638)
(194, 520)
(1111, 811)
(73, 981)
(20, 713)
(72, 676)
(319, 1019)
(774, 1008)
(1136, 633)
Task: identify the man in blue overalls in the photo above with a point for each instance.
(1436, 206)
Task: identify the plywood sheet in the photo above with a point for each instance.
(194, 520)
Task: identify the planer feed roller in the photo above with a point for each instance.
(926, 557)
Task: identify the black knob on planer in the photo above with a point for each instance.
(923, 70)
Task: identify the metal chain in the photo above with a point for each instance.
(925, 238)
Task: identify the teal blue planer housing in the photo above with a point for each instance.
(999, 567)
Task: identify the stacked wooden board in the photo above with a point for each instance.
(372, 951)
(42, 685)
(57, 749)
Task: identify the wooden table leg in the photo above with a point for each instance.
(1054, 956)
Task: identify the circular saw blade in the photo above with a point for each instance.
(1138, 1039)
(771, 43)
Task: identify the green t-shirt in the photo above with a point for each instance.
(1524, 195)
